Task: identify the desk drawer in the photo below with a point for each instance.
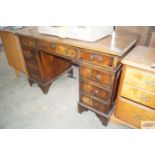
(67, 51)
(30, 54)
(102, 77)
(46, 46)
(94, 91)
(139, 78)
(93, 103)
(133, 113)
(95, 58)
(141, 96)
(28, 42)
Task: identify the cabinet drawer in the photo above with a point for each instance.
(30, 54)
(103, 77)
(140, 79)
(141, 96)
(93, 103)
(46, 46)
(95, 91)
(99, 59)
(28, 42)
(67, 51)
(133, 113)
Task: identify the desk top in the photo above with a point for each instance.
(141, 57)
(116, 44)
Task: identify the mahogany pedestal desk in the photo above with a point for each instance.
(48, 57)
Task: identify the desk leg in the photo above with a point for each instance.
(103, 120)
(30, 82)
(81, 109)
(71, 74)
(44, 88)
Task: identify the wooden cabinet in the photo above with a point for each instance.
(13, 51)
(133, 113)
(136, 97)
(48, 57)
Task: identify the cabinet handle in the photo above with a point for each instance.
(150, 83)
(138, 116)
(66, 52)
(95, 104)
(92, 57)
(98, 77)
(145, 98)
(53, 45)
(100, 58)
(96, 91)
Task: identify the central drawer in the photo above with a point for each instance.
(133, 113)
(67, 51)
(94, 91)
(106, 78)
(138, 95)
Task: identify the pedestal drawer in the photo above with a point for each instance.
(141, 96)
(98, 76)
(133, 113)
(93, 103)
(28, 42)
(46, 46)
(94, 91)
(139, 78)
(93, 57)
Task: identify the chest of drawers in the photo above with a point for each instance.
(136, 97)
(48, 57)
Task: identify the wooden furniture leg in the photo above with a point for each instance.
(81, 109)
(71, 74)
(17, 73)
(103, 120)
(44, 88)
(30, 82)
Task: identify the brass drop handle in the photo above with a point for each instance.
(100, 58)
(96, 91)
(92, 56)
(145, 98)
(95, 104)
(29, 56)
(66, 52)
(150, 83)
(98, 77)
(139, 117)
(53, 45)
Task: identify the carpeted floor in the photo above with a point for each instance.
(22, 106)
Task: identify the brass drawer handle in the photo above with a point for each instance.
(53, 45)
(96, 91)
(98, 77)
(66, 52)
(92, 56)
(95, 104)
(150, 83)
(100, 58)
(145, 98)
(138, 117)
